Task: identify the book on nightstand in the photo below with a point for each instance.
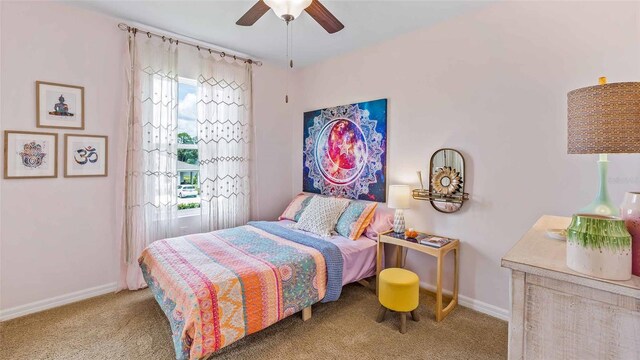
(435, 241)
(423, 239)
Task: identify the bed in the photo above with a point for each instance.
(216, 288)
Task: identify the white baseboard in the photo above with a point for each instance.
(477, 305)
(36, 306)
(53, 302)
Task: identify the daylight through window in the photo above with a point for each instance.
(188, 191)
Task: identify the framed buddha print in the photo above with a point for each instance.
(85, 155)
(30, 155)
(59, 106)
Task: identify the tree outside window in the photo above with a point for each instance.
(188, 191)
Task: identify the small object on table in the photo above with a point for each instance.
(411, 234)
(557, 234)
(435, 241)
(402, 242)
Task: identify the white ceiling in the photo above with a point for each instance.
(366, 23)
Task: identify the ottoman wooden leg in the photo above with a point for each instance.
(414, 315)
(381, 313)
(403, 322)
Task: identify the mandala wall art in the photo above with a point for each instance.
(85, 155)
(345, 149)
(30, 155)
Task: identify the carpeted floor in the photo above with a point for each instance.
(130, 325)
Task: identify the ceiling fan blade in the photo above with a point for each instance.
(255, 13)
(325, 18)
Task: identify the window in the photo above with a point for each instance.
(188, 191)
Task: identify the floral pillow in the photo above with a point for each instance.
(355, 219)
(321, 215)
(296, 207)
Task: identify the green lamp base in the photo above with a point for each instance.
(600, 207)
(602, 204)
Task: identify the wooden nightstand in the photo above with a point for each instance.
(438, 253)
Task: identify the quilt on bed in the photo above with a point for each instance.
(215, 288)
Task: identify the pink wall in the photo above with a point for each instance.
(492, 84)
(58, 236)
(272, 142)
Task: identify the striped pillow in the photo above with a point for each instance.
(355, 219)
(296, 207)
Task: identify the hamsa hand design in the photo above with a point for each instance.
(32, 155)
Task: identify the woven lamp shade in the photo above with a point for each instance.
(604, 119)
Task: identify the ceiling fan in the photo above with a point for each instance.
(288, 10)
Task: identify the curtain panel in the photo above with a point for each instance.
(224, 142)
(224, 139)
(151, 176)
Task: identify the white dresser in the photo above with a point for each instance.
(557, 313)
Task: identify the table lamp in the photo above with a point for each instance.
(604, 119)
(399, 199)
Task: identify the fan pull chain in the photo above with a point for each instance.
(291, 52)
(286, 96)
(289, 58)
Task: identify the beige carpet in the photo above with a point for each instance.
(130, 325)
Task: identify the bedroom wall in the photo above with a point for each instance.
(59, 234)
(492, 84)
(273, 143)
(57, 242)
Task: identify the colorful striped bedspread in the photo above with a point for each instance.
(215, 288)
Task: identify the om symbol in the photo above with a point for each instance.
(88, 154)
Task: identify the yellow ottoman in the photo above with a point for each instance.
(398, 290)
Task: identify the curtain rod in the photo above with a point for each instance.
(134, 30)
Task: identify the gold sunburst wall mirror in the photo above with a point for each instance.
(446, 181)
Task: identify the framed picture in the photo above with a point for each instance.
(30, 155)
(345, 151)
(59, 106)
(85, 155)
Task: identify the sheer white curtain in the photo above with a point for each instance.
(224, 138)
(151, 177)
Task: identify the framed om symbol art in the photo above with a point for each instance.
(85, 155)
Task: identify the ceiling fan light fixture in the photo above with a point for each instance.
(288, 9)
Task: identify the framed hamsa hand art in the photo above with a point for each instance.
(30, 155)
(85, 155)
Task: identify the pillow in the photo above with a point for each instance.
(296, 207)
(355, 219)
(382, 221)
(321, 215)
